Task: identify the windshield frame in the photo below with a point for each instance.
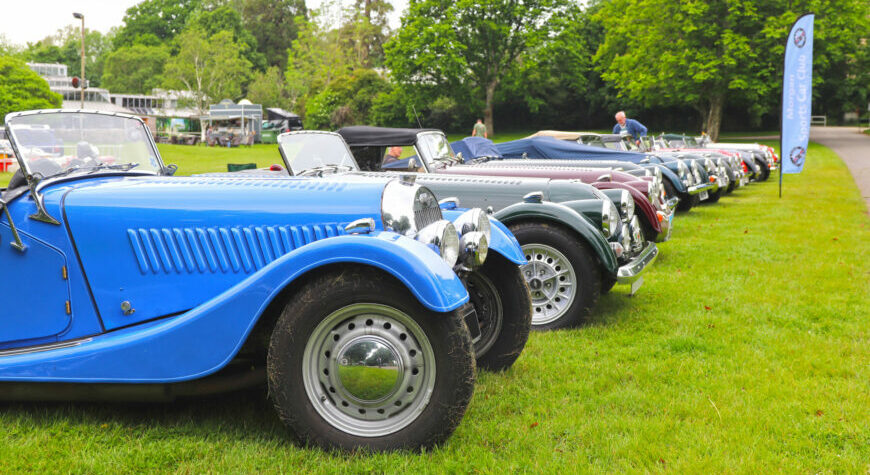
(161, 168)
(429, 163)
(294, 172)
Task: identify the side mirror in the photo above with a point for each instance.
(645, 161)
(16, 243)
(412, 164)
(460, 158)
(169, 170)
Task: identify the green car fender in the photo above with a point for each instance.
(568, 218)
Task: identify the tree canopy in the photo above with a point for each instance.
(22, 89)
(707, 54)
(467, 45)
(210, 67)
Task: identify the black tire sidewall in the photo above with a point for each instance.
(447, 333)
(516, 300)
(586, 268)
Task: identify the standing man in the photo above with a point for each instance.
(479, 130)
(628, 127)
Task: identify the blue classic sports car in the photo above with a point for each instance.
(122, 282)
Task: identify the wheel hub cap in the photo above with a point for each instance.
(369, 369)
(551, 280)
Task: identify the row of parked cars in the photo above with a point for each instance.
(364, 279)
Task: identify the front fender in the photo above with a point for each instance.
(501, 239)
(559, 214)
(204, 339)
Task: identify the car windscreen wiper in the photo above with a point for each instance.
(118, 166)
(319, 171)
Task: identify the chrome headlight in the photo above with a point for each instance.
(626, 237)
(709, 165)
(626, 204)
(473, 248)
(683, 172)
(696, 173)
(636, 232)
(474, 220)
(609, 217)
(407, 208)
(441, 235)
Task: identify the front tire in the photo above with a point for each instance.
(562, 273)
(501, 298)
(355, 361)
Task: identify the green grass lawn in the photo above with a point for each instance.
(747, 350)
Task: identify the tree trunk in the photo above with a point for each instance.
(714, 116)
(487, 111)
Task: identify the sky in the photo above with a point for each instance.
(24, 21)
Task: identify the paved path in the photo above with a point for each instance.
(853, 147)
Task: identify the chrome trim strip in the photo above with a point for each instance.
(41, 348)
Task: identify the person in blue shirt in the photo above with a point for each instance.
(628, 127)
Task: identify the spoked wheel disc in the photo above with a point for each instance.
(369, 369)
(552, 281)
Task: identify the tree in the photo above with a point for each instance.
(151, 20)
(273, 23)
(210, 67)
(469, 46)
(365, 31)
(227, 18)
(135, 69)
(22, 89)
(64, 47)
(316, 59)
(268, 88)
(713, 53)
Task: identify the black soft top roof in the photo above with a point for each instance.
(366, 136)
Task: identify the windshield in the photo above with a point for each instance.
(310, 151)
(61, 143)
(435, 147)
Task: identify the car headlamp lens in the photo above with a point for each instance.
(627, 204)
(442, 236)
(474, 247)
(473, 220)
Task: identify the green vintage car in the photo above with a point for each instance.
(579, 242)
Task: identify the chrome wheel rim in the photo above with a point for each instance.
(490, 313)
(551, 280)
(369, 370)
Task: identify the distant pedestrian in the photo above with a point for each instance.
(479, 130)
(392, 155)
(629, 127)
(250, 138)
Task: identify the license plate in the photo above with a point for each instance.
(704, 195)
(470, 317)
(635, 286)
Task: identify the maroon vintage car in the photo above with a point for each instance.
(646, 191)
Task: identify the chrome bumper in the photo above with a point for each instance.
(694, 190)
(632, 271)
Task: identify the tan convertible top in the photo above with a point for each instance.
(560, 134)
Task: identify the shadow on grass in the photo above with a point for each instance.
(241, 415)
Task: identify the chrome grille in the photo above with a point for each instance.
(426, 216)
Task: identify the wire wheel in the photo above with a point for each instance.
(369, 369)
(552, 282)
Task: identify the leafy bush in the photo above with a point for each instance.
(22, 89)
